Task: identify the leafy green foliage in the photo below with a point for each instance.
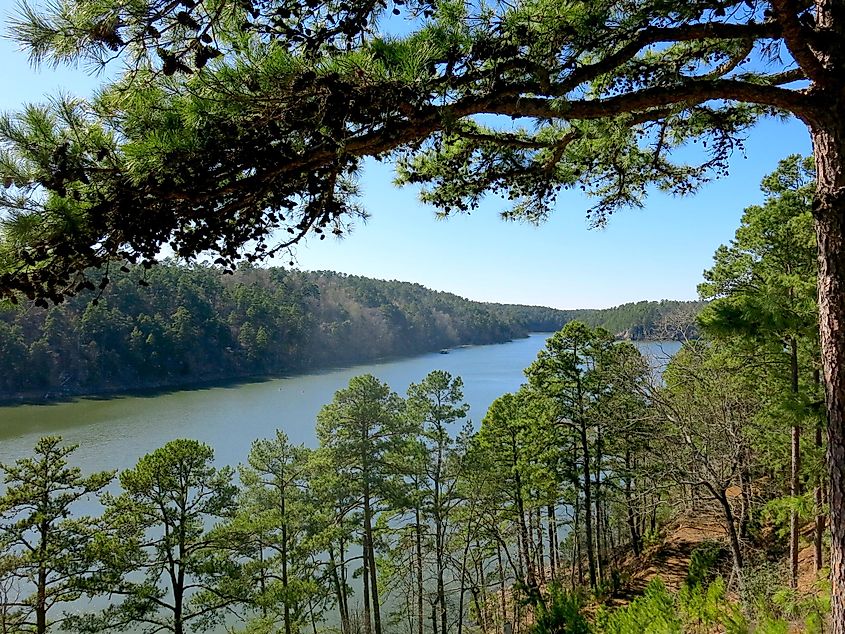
(194, 324)
(703, 560)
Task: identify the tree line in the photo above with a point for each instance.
(176, 325)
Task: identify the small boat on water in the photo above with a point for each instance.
(444, 351)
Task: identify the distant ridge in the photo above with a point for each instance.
(179, 325)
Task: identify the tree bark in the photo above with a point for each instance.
(420, 615)
(365, 578)
(541, 556)
(41, 583)
(829, 216)
(369, 554)
(588, 505)
(285, 584)
(818, 537)
(524, 538)
(795, 468)
(344, 621)
(463, 586)
(629, 506)
(552, 528)
(818, 493)
(730, 525)
(439, 530)
(502, 587)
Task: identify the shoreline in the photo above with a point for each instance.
(154, 389)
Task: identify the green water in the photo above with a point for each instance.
(114, 432)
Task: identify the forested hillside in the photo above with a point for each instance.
(644, 320)
(176, 325)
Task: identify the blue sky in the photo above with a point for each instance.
(655, 253)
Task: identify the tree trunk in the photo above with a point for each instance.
(365, 578)
(541, 555)
(818, 495)
(41, 582)
(343, 576)
(733, 536)
(420, 615)
(745, 490)
(818, 537)
(588, 505)
(463, 587)
(283, 510)
(576, 542)
(524, 538)
(41, 602)
(553, 557)
(829, 215)
(369, 554)
(795, 468)
(344, 620)
(502, 587)
(629, 506)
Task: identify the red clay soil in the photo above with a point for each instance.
(670, 559)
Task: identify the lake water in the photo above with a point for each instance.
(114, 432)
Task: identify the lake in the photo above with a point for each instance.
(113, 432)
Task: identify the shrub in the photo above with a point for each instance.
(560, 613)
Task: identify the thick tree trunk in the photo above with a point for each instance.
(829, 215)
(818, 494)
(818, 537)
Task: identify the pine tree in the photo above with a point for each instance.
(42, 543)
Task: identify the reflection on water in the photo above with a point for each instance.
(114, 432)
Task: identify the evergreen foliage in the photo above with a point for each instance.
(194, 324)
